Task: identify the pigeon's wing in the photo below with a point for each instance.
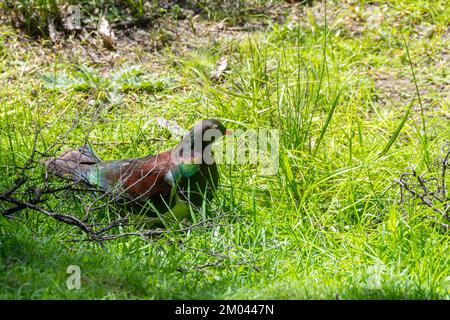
(137, 178)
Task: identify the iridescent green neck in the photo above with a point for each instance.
(187, 170)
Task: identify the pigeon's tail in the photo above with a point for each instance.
(72, 164)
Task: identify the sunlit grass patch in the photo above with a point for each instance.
(327, 224)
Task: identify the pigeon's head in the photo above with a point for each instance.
(203, 134)
(210, 125)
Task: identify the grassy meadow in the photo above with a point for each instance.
(359, 93)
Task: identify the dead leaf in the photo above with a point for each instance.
(107, 34)
(446, 114)
(221, 67)
(70, 17)
(174, 128)
(52, 30)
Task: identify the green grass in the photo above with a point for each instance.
(327, 224)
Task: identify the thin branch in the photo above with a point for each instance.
(431, 192)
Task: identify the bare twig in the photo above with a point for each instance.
(431, 192)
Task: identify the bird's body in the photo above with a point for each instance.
(167, 183)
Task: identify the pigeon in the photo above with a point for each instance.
(165, 186)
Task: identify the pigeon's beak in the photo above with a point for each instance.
(228, 132)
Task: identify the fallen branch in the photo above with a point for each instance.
(431, 192)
